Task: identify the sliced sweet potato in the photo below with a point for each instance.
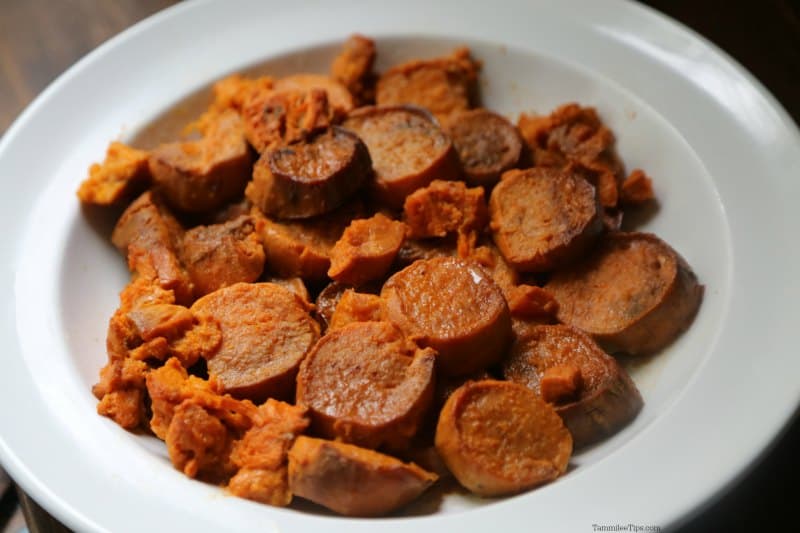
(453, 306)
(266, 333)
(541, 219)
(353, 481)
(633, 294)
(587, 387)
(200, 176)
(407, 147)
(366, 384)
(310, 178)
(498, 438)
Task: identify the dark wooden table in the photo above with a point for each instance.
(39, 39)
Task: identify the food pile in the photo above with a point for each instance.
(346, 287)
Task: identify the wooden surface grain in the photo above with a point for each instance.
(39, 39)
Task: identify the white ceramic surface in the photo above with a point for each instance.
(724, 156)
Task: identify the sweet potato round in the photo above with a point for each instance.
(634, 294)
(542, 218)
(366, 384)
(498, 437)
(453, 306)
(407, 147)
(266, 333)
(607, 398)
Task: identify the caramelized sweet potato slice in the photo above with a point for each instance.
(407, 147)
(367, 384)
(543, 218)
(353, 481)
(200, 176)
(310, 178)
(220, 255)
(634, 294)
(499, 438)
(487, 144)
(453, 306)
(266, 333)
(588, 388)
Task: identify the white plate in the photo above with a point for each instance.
(724, 155)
